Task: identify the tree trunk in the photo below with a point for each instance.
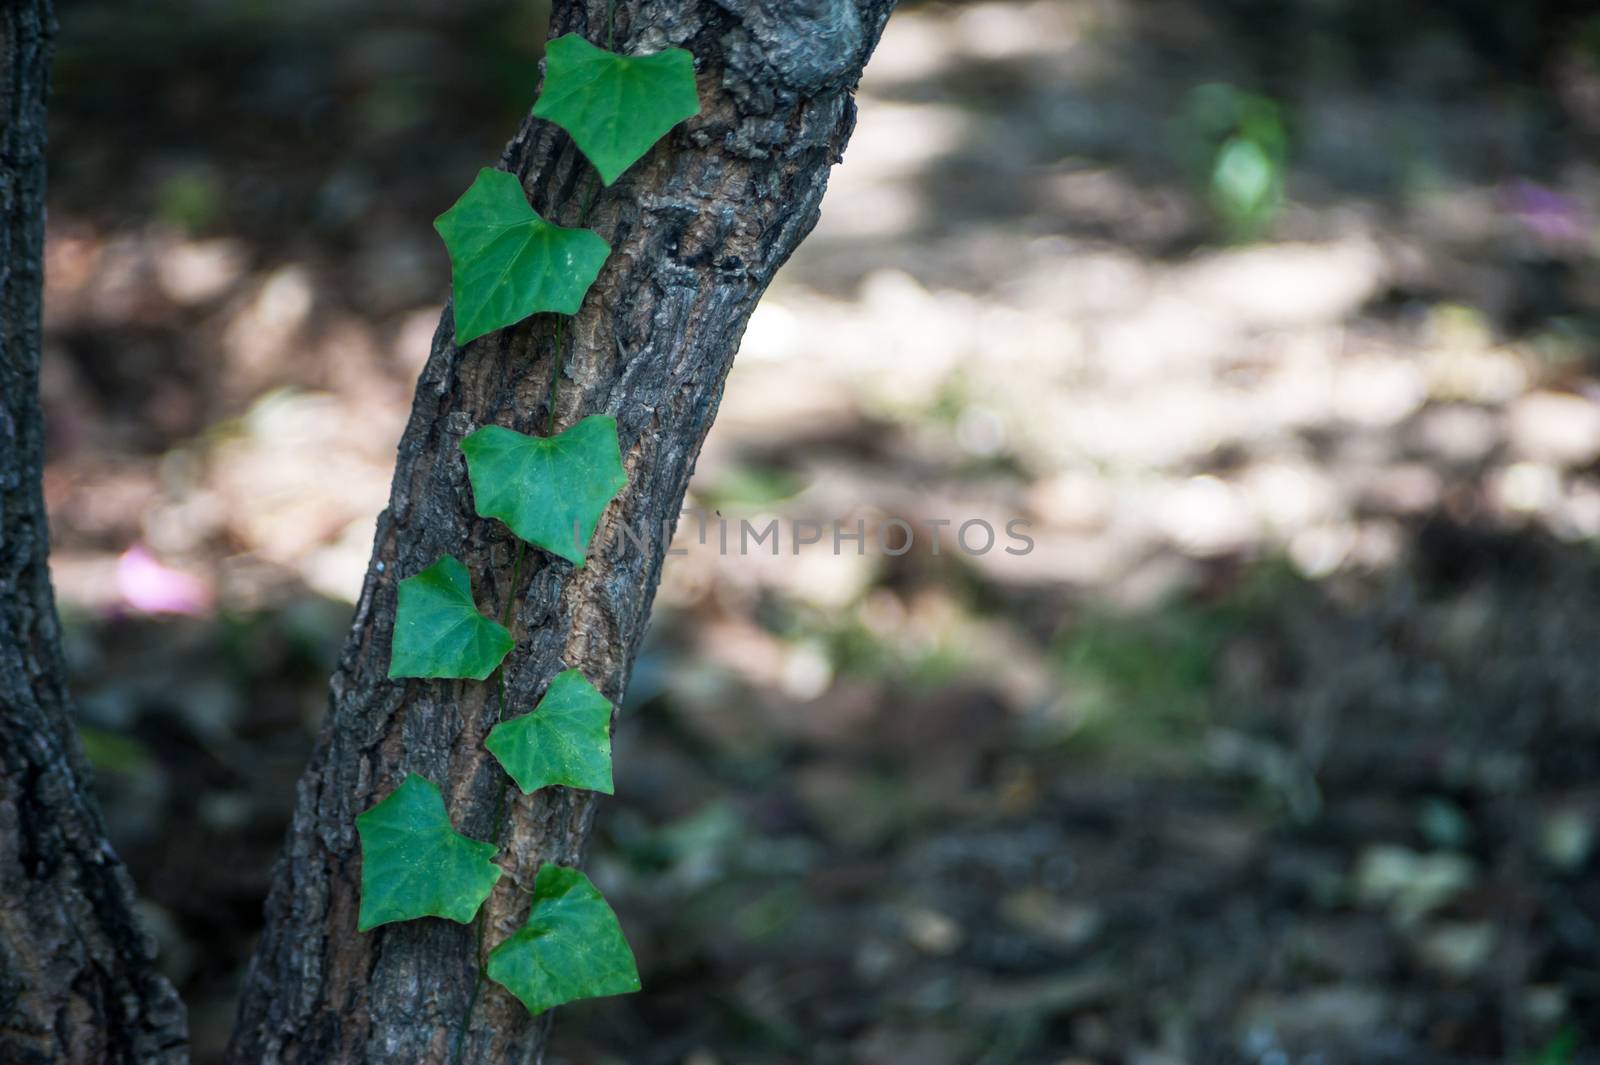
(698, 228)
(77, 982)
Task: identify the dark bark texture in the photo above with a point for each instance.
(77, 982)
(698, 228)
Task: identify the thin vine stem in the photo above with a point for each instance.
(557, 361)
(583, 217)
(555, 376)
(499, 806)
(505, 620)
(516, 580)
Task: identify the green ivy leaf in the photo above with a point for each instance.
(566, 740)
(415, 864)
(507, 262)
(438, 631)
(615, 106)
(550, 490)
(571, 947)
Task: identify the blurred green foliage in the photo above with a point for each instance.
(748, 486)
(110, 752)
(1562, 1049)
(1241, 143)
(1147, 685)
(190, 200)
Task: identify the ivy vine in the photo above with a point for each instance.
(508, 263)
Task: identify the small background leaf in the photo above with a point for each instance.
(415, 864)
(615, 106)
(571, 947)
(565, 740)
(507, 263)
(438, 631)
(544, 488)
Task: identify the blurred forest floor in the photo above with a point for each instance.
(1279, 321)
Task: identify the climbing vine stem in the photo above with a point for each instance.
(508, 263)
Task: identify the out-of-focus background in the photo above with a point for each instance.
(1278, 319)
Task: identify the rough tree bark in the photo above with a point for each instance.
(77, 982)
(698, 229)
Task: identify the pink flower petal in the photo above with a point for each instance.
(149, 587)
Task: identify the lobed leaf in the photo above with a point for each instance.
(415, 864)
(565, 740)
(551, 490)
(615, 106)
(438, 631)
(572, 946)
(507, 263)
